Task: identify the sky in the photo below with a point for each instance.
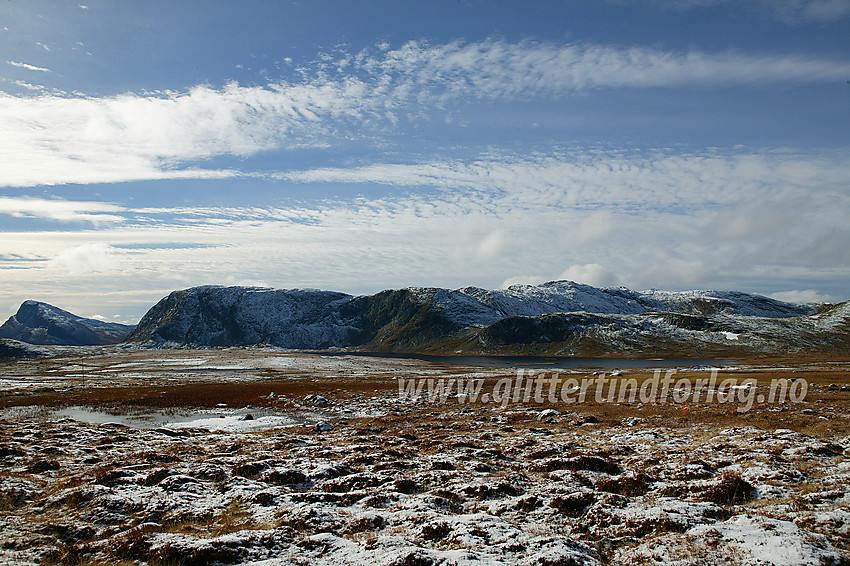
(357, 145)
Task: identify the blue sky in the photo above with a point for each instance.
(357, 146)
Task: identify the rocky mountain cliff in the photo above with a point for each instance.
(555, 318)
(43, 324)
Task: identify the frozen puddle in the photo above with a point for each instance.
(247, 419)
(236, 422)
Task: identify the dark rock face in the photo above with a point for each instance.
(556, 318)
(43, 324)
(305, 319)
(228, 316)
(540, 329)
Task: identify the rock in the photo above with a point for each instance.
(210, 472)
(586, 419)
(178, 482)
(546, 414)
(323, 427)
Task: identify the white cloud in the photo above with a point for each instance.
(383, 243)
(802, 296)
(54, 139)
(493, 245)
(640, 221)
(592, 228)
(27, 66)
(28, 86)
(61, 210)
(590, 274)
(499, 69)
(600, 180)
(728, 220)
(87, 259)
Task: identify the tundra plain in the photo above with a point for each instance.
(265, 456)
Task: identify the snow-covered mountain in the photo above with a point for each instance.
(558, 317)
(472, 305)
(40, 323)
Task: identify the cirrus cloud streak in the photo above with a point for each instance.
(56, 139)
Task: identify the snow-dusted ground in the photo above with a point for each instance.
(421, 485)
(356, 475)
(110, 366)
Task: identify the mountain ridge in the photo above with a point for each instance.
(555, 318)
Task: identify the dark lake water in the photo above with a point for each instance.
(551, 362)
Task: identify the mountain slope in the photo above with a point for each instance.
(225, 316)
(43, 324)
(661, 334)
(560, 318)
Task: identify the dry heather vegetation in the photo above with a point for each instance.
(332, 467)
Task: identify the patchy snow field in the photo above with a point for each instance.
(117, 366)
(312, 473)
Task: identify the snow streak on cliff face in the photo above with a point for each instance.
(559, 317)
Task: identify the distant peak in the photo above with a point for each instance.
(42, 323)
